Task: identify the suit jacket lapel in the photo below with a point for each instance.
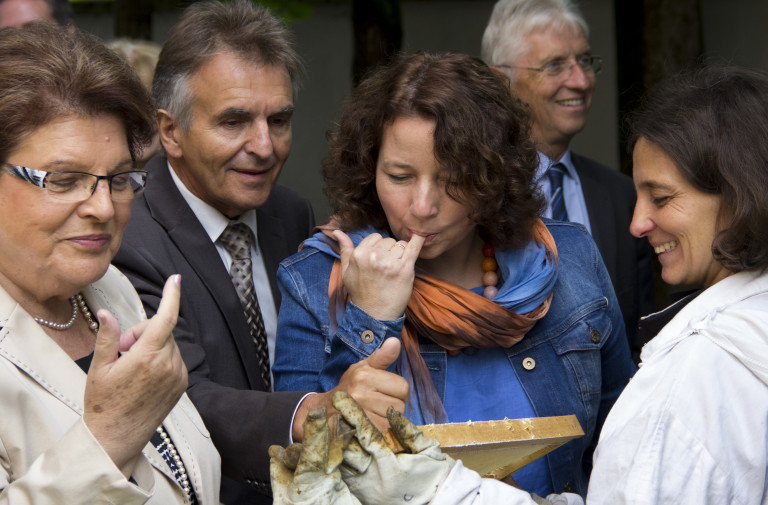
(25, 344)
(601, 216)
(169, 208)
(272, 243)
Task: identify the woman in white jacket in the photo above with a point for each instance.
(691, 425)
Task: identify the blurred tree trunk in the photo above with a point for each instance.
(378, 34)
(133, 19)
(654, 39)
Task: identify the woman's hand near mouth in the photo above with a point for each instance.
(378, 274)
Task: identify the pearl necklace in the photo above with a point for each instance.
(490, 277)
(182, 477)
(77, 302)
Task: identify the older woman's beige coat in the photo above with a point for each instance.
(48, 455)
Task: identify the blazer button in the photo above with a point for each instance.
(595, 336)
(367, 336)
(568, 488)
(529, 363)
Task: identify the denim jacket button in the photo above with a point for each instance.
(595, 336)
(529, 363)
(366, 336)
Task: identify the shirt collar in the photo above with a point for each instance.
(545, 162)
(697, 315)
(213, 221)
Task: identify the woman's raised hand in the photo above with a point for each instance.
(128, 395)
(378, 274)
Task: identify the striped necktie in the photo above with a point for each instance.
(236, 239)
(556, 199)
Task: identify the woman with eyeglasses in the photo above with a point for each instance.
(92, 393)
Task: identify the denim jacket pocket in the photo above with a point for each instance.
(579, 349)
(586, 330)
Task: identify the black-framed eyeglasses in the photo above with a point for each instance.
(79, 186)
(560, 67)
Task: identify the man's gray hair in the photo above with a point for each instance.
(208, 28)
(513, 20)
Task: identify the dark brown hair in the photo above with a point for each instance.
(713, 123)
(46, 72)
(208, 28)
(482, 139)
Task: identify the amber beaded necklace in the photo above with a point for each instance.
(490, 275)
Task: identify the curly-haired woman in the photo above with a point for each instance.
(436, 241)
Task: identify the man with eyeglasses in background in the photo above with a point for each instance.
(542, 47)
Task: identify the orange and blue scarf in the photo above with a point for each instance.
(454, 317)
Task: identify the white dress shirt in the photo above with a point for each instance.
(214, 223)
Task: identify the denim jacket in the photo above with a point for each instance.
(575, 360)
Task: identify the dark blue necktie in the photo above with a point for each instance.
(556, 200)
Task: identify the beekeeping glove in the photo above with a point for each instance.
(308, 473)
(377, 475)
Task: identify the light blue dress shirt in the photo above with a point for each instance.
(574, 197)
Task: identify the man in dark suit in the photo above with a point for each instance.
(225, 85)
(541, 46)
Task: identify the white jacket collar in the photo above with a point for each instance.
(746, 327)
